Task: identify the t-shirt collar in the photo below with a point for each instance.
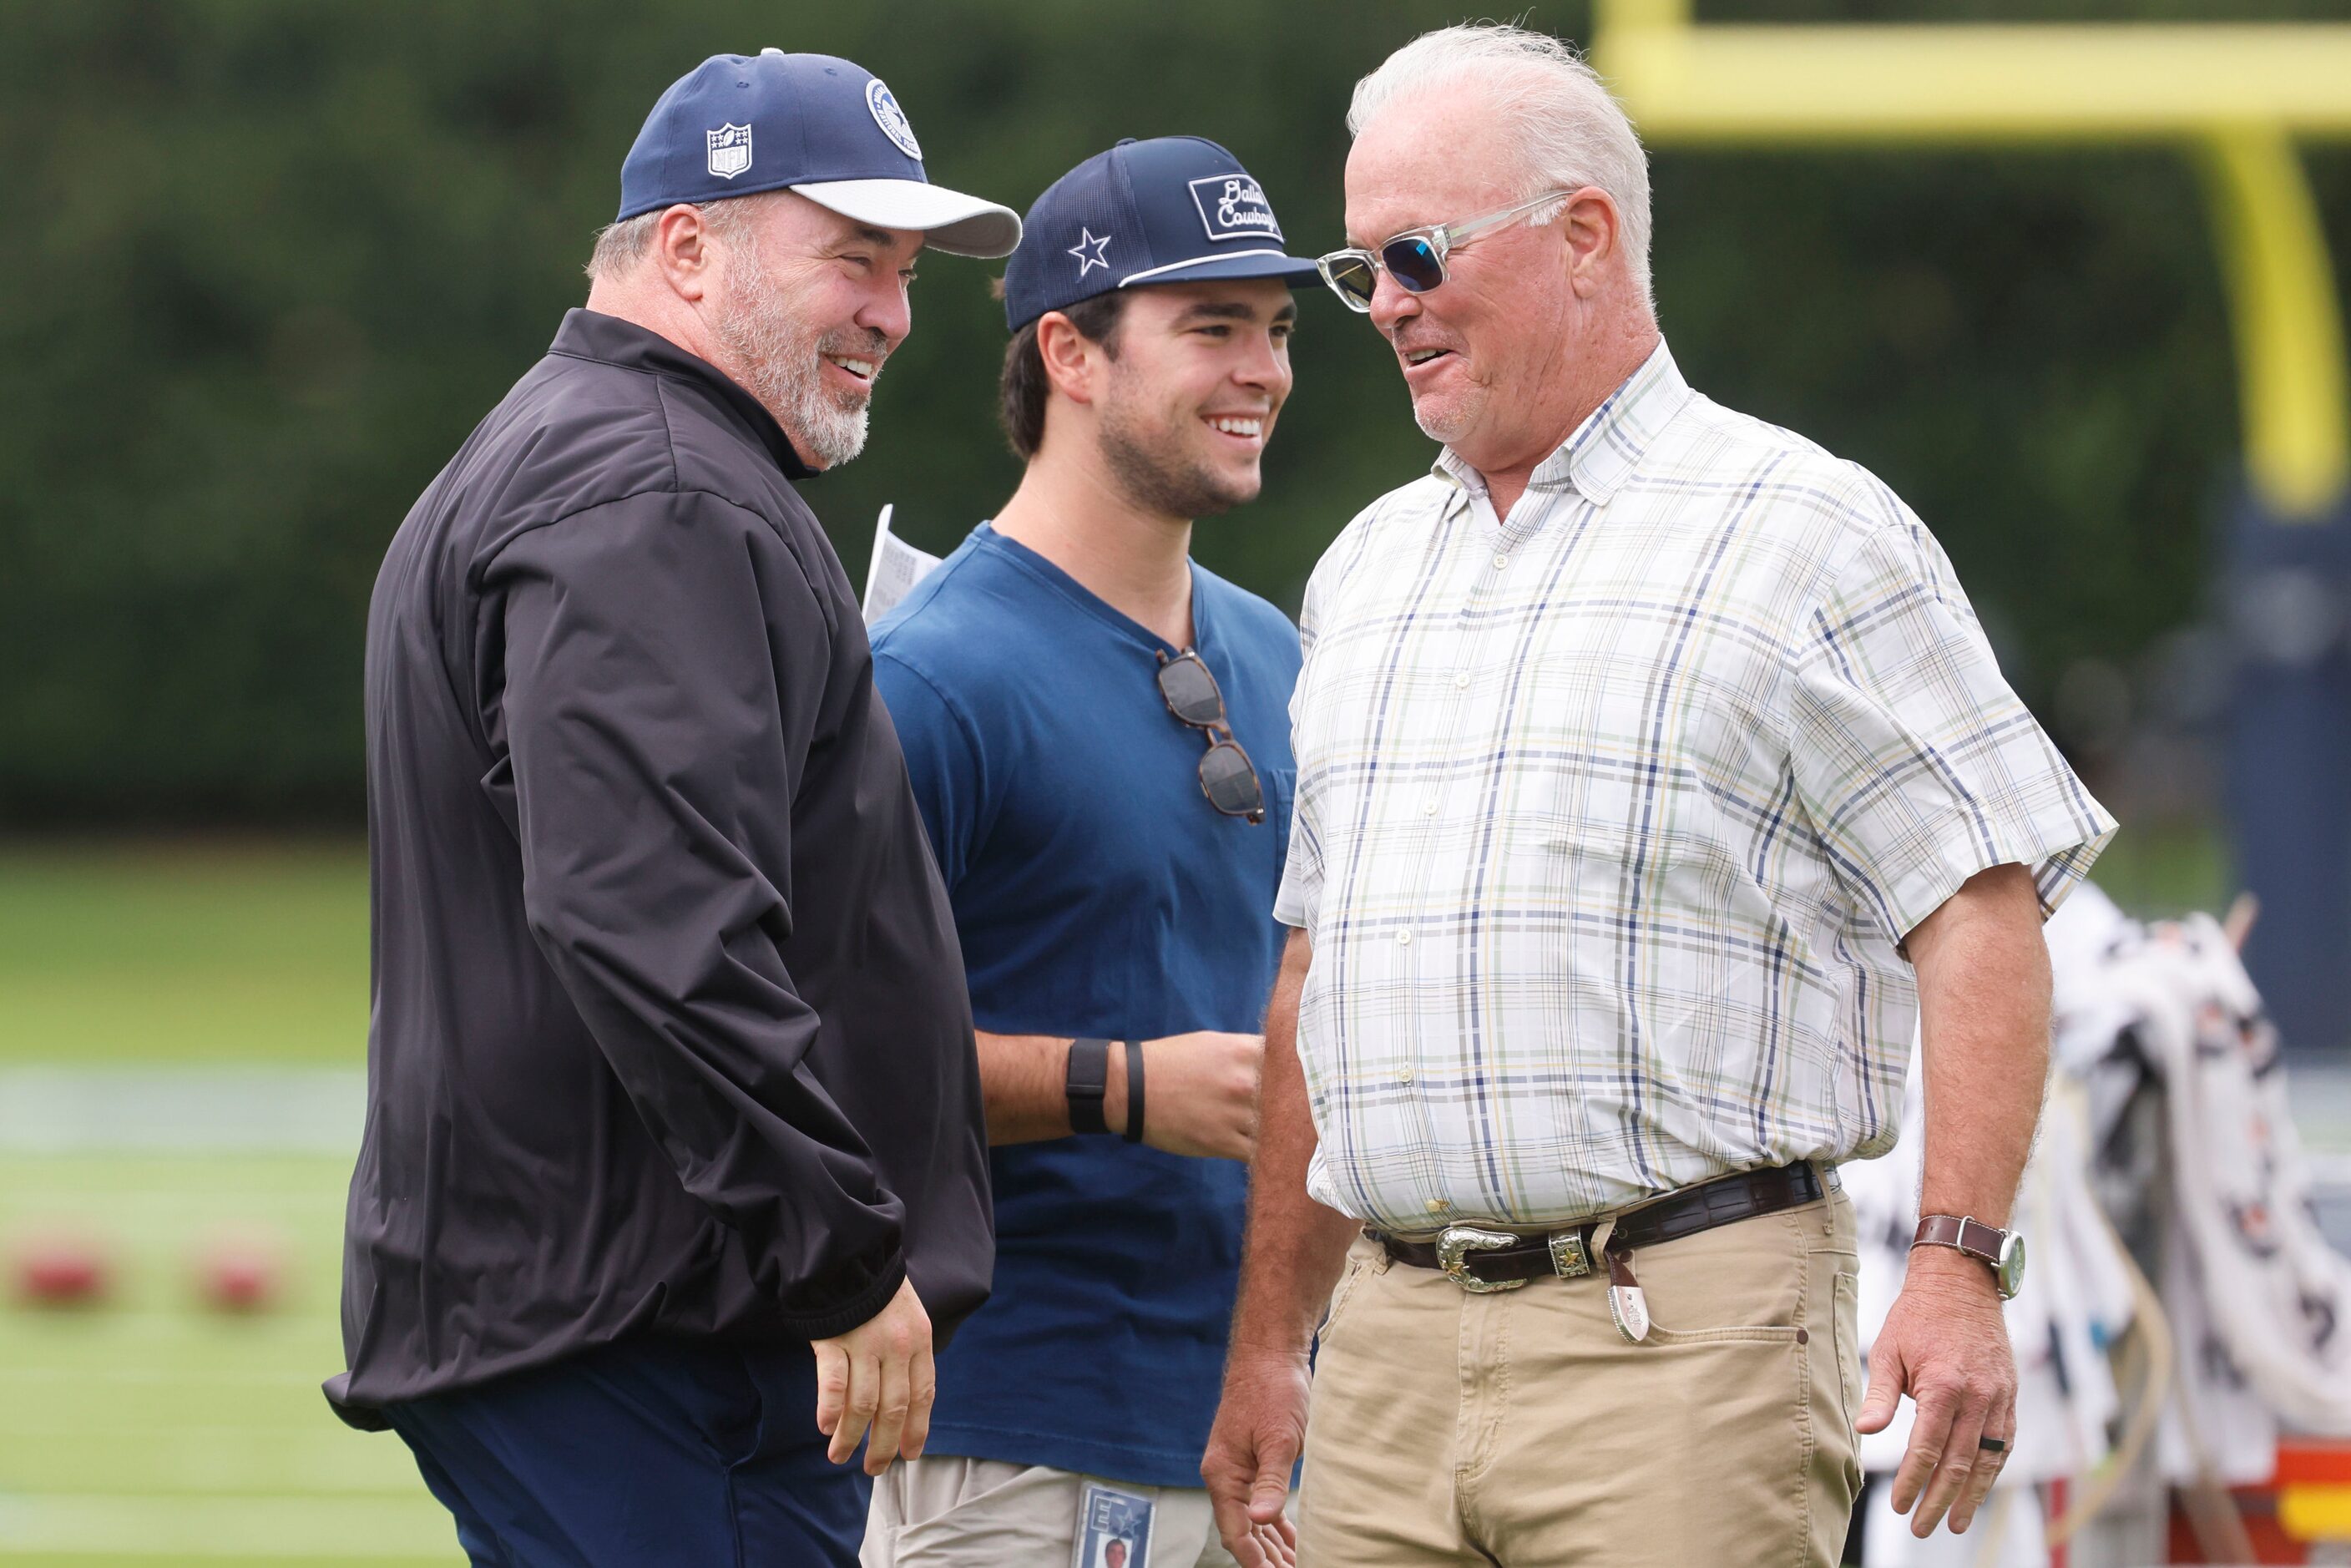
(1091, 603)
(1602, 454)
(608, 339)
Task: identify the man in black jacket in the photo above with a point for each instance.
(670, 1072)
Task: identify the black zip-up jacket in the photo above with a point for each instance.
(670, 1030)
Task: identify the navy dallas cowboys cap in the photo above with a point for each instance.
(1175, 209)
(824, 127)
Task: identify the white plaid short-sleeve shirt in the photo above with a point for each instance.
(1610, 816)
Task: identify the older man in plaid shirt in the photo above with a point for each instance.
(1654, 780)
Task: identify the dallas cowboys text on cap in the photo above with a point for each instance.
(822, 126)
(1175, 209)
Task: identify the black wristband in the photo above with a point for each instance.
(1088, 1079)
(1133, 1133)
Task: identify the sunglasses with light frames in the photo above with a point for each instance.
(1415, 258)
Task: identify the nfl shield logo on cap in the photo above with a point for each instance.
(818, 125)
(730, 149)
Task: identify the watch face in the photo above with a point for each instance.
(2010, 1269)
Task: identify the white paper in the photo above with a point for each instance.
(896, 567)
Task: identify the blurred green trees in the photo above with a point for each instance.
(267, 261)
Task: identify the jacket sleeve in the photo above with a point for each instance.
(653, 672)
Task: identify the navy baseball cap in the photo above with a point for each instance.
(1175, 209)
(824, 127)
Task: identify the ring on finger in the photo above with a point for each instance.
(1992, 1445)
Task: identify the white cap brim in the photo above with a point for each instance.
(947, 220)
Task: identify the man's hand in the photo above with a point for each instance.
(880, 1374)
(1199, 1093)
(1946, 1345)
(1259, 1432)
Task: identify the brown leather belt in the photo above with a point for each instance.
(1480, 1259)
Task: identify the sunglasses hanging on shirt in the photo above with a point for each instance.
(1227, 776)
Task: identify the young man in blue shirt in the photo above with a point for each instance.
(1098, 733)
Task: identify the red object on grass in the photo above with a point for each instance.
(62, 1270)
(240, 1274)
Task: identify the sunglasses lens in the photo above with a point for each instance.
(1413, 263)
(1350, 277)
(1230, 782)
(1191, 691)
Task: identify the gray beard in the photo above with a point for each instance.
(777, 358)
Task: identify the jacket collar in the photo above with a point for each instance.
(607, 339)
(1607, 446)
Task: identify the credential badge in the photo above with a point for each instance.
(1232, 207)
(891, 118)
(730, 149)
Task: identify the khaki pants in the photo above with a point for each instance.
(1521, 1428)
(941, 1512)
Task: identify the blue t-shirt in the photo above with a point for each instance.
(1096, 893)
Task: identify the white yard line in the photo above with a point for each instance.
(182, 1109)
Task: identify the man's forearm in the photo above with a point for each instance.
(1984, 1030)
(1295, 1247)
(1983, 1024)
(1024, 1082)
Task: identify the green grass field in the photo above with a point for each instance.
(144, 953)
(149, 1431)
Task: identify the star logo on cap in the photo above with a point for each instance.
(1089, 251)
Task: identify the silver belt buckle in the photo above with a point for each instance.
(1454, 1245)
(1569, 1261)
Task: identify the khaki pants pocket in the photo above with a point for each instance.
(1837, 1438)
(946, 1512)
(1743, 1282)
(1363, 1256)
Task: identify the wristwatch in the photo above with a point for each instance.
(1086, 1081)
(2001, 1252)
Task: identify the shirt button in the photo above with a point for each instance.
(1430, 810)
(1436, 1206)
(1404, 1075)
(1404, 938)
(1500, 561)
(1462, 681)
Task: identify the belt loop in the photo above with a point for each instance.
(1600, 1236)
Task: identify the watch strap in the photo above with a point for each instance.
(1962, 1233)
(1085, 1082)
(1133, 1133)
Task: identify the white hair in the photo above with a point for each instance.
(1572, 131)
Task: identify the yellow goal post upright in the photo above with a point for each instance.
(2235, 96)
